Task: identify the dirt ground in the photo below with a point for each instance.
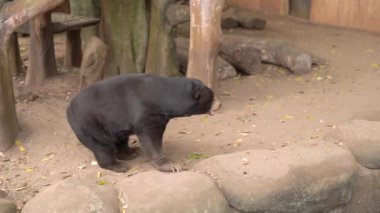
(264, 111)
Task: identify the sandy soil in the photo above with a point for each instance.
(264, 111)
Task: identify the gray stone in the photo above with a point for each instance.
(366, 194)
(224, 70)
(77, 196)
(363, 139)
(182, 192)
(7, 206)
(291, 179)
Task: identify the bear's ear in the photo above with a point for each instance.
(197, 96)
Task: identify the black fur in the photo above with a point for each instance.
(104, 115)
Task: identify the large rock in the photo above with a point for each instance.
(7, 206)
(363, 139)
(292, 179)
(366, 195)
(74, 196)
(183, 192)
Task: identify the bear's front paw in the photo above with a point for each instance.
(168, 166)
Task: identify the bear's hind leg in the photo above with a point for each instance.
(106, 157)
(124, 152)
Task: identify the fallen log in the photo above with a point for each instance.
(276, 52)
(234, 17)
(224, 70)
(92, 66)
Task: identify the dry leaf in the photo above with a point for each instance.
(99, 175)
(101, 182)
(195, 156)
(31, 169)
(319, 78)
(269, 96)
(21, 148)
(237, 143)
(299, 79)
(82, 167)
(49, 157)
(288, 117)
(375, 66)
(227, 93)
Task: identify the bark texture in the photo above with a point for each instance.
(161, 53)
(124, 28)
(87, 8)
(205, 38)
(41, 52)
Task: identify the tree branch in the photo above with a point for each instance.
(17, 13)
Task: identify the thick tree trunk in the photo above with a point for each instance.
(87, 8)
(205, 38)
(92, 67)
(161, 55)
(41, 52)
(13, 15)
(124, 28)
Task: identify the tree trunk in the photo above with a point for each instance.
(205, 38)
(92, 67)
(13, 15)
(41, 52)
(87, 8)
(161, 56)
(124, 28)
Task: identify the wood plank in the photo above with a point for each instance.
(358, 14)
(62, 22)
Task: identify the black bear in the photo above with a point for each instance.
(105, 114)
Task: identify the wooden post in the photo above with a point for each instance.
(73, 48)
(205, 39)
(41, 52)
(13, 15)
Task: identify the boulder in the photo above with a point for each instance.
(363, 139)
(160, 192)
(73, 195)
(290, 179)
(366, 195)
